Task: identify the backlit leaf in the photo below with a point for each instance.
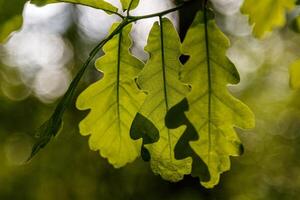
(175, 118)
(160, 80)
(126, 4)
(113, 102)
(212, 110)
(98, 4)
(265, 15)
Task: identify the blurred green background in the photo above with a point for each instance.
(38, 62)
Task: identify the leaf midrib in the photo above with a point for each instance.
(208, 80)
(164, 78)
(118, 81)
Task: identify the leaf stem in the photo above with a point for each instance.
(159, 14)
(50, 128)
(129, 7)
(70, 92)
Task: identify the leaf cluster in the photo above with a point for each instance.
(178, 116)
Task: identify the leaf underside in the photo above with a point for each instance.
(113, 102)
(160, 80)
(212, 110)
(265, 15)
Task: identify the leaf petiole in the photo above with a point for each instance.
(49, 129)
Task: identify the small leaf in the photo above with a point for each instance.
(10, 17)
(45, 133)
(126, 4)
(51, 127)
(159, 79)
(265, 15)
(98, 4)
(114, 102)
(212, 110)
(295, 75)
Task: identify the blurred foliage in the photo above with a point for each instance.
(10, 17)
(266, 15)
(295, 75)
(67, 169)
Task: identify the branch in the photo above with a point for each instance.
(51, 127)
(159, 14)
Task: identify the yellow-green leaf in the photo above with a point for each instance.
(295, 75)
(113, 102)
(160, 80)
(98, 4)
(212, 110)
(265, 15)
(132, 3)
(10, 17)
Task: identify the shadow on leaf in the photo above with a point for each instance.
(176, 118)
(143, 128)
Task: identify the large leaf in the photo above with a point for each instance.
(212, 110)
(265, 15)
(10, 17)
(160, 80)
(295, 75)
(129, 3)
(114, 102)
(99, 4)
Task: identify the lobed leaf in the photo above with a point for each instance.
(113, 102)
(212, 110)
(265, 15)
(160, 80)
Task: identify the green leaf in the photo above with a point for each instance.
(265, 15)
(175, 118)
(114, 102)
(160, 80)
(50, 128)
(45, 133)
(212, 110)
(10, 17)
(129, 3)
(98, 4)
(295, 75)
